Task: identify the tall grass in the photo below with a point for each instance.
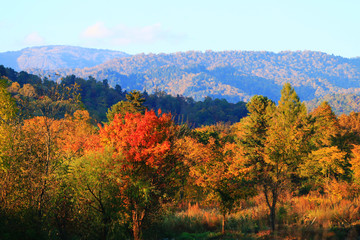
(333, 213)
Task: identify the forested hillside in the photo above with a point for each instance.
(97, 97)
(233, 75)
(340, 103)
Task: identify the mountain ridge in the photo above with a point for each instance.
(53, 57)
(233, 75)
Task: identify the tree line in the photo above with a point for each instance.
(97, 97)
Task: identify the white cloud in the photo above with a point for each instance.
(34, 39)
(125, 35)
(98, 30)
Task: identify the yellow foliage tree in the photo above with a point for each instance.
(355, 164)
(324, 164)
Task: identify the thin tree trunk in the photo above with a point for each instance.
(47, 163)
(105, 229)
(272, 218)
(271, 204)
(105, 218)
(223, 224)
(137, 216)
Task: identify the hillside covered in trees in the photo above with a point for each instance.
(340, 103)
(278, 173)
(97, 97)
(233, 75)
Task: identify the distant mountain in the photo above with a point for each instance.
(233, 75)
(55, 57)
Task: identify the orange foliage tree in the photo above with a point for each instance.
(79, 135)
(216, 165)
(326, 126)
(148, 167)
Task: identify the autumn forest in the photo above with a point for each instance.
(129, 166)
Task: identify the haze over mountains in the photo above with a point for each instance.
(55, 57)
(233, 75)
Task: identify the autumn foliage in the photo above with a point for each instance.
(141, 176)
(143, 139)
(145, 160)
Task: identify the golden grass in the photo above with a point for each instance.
(317, 214)
(207, 216)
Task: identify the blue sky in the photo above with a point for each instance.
(156, 26)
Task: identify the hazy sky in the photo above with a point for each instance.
(134, 26)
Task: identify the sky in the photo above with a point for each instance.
(165, 26)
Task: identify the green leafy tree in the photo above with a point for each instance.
(254, 130)
(275, 141)
(253, 139)
(8, 107)
(8, 141)
(96, 192)
(134, 104)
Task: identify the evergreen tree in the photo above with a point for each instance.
(289, 129)
(134, 104)
(285, 146)
(326, 125)
(274, 139)
(254, 132)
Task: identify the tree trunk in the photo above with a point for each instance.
(137, 216)
(223, 224)
(105, 228)
(272, 217)
(271, 202)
